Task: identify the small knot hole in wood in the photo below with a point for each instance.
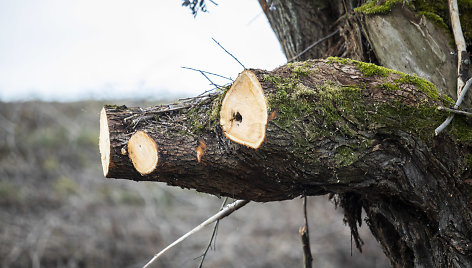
(238, 117)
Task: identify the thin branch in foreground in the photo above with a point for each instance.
(305, 237)
(212, 89)
(201, 71)
(228, 52)
(226, 211)
(313, 45)
(458, 102)
(213, 236)
(208, 78)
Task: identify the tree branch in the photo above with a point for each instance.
(462, 57)
(226, 211)
(287, 146)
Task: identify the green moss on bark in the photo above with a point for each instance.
(202, 120)
(461, 130)
(436, 11)
(319, 112)
(345, 156)
(372, 7)
(367, 69)
(312, 112)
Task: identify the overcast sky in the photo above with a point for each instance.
(68, 50)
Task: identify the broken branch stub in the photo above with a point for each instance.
(243, 114)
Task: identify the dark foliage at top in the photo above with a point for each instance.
(196, 5)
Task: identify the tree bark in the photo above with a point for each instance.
(406, 36)
(418, 218)
(333, 126)
(299, 23)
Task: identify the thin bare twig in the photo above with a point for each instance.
(208, 78)
(212, 89)
(152, 113)
(442, 108)
(228, 53)
(227, 210)
(305, 237)
(314, 44)
(198, 97)
(458, 102)
(201, 71)
(213, 236)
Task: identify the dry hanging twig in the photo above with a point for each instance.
(305, 237)
(213, 235)
(218, 216)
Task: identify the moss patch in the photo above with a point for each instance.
(421, 84)
(390, 86)
(300, 69)
(345, 156)
(436, 19)
(367, 69)
(200, 119)
(438, 12)
(325, 111)
(461, 130)
(372, 7)
(310, 111)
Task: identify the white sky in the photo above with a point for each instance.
(68, 50)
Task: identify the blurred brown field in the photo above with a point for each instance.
(57, 209)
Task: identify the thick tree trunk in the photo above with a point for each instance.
(335, 126)
(422, 228)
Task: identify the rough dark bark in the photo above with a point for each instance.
(416, 228)
(299, 23)
(335, 126)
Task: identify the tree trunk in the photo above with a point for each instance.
(414, 37)
(331, 126)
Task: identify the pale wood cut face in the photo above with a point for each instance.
(142, 151)
(104, 142)
(243, 115)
